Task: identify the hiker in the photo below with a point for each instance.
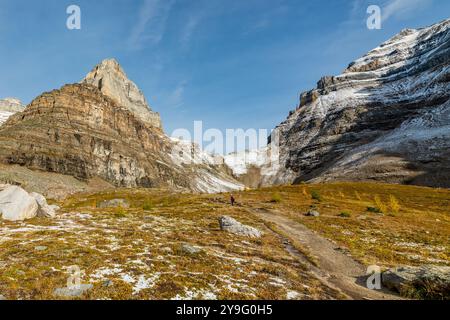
(232, 200)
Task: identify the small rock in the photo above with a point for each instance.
(16, 204)
(107, 283)
(2, 297)
(55, 207)
(114, 203)
(75, 292)
(312, 213)
(40, 248)
(428, 280)
(188, 249)
(231, 225)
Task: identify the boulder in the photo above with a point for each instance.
(16, 204)
(45, 210)
(189, 249)
(424, 282)
(231, 225)
(75, 292)
(312, 213)
(114, 203)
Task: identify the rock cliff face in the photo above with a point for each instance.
(387, 117)
(109, 77)
(79, 131)
(8, 107)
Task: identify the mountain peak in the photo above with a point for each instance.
(113, 82)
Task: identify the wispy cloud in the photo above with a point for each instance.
(151, 23)
(266, 20)
(176, 97)
(189, 29)
(402, 8)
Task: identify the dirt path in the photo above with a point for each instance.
(334, 268)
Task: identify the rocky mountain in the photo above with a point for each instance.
(8, 107)
(111, 80)
(82, 131)
(385, 118)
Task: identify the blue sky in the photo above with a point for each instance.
(229, 63)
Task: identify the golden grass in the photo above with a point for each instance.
(158, 222)
(144, 242)
(414, 231)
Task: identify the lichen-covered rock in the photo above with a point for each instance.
(114, 203)
(75, 292)
(190, 249)
(231, 225)
(429, 282)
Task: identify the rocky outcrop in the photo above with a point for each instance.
(79, 131)
(112, 81)
(424, 282)
(386, 118)
(16, 204)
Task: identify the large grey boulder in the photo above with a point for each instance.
(16, 204)
(74, 292)
(428, 282)
(45, 210)
(231, 225)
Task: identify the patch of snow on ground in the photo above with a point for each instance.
(4, 115)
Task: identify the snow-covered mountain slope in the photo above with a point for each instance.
(211, 175)
(8, 107)
(255, 168)
(386, 117)
(4, 115)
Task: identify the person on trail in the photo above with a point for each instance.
(232, 200)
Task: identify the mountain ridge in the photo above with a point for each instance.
(385, 118)
(82, 131)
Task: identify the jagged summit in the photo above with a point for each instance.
(113, 82)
